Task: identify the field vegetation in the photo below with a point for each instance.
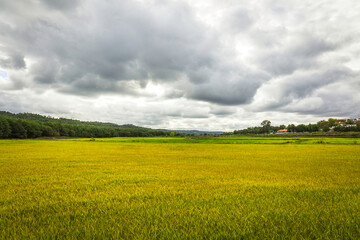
(180, 188)
(232, 139)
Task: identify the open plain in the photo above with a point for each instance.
(179, 188)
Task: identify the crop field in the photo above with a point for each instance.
(180, 188)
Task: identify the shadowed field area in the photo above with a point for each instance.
(166, 188)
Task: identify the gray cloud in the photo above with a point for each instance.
(222, 111)
(61, 5)
(224, 95)
(13, 61)
(300, 86)
(239, 20)
(124, 41)
(217, 60)
(229, 86)
(308, 93)
(302, 55)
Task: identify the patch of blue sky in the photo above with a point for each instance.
(3, 74)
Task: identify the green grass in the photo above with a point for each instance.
(173, 188)
(230, 140)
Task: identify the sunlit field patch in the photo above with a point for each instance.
(169, 188)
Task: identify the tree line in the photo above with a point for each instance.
(27, 125)
(332, 124)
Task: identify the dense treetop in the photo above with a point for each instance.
(29, 125)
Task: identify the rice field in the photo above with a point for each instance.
(180, 188)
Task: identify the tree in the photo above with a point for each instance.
(33, 129)
(291, 128)
(266, 126)
(324, 125)
(332, 122)
(5, 129)
(349, 121)
(17, 129)
(300, 128)
(47, 131)
(172, 134)
(312, 127)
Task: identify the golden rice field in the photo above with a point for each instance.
(81, 189)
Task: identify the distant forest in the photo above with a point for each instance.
(29, 125)
(330, 125)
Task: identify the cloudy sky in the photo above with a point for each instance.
(206, 64)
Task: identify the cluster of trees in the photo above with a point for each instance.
(260, 130)
(302, 128)
(26, 125)
(339, 125)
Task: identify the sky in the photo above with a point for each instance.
(206, 64)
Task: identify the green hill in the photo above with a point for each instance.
(29, 125)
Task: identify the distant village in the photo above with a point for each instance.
(330, 125)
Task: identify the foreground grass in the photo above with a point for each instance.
(134, 190)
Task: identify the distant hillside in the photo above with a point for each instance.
(29, 125)
(41, 118)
